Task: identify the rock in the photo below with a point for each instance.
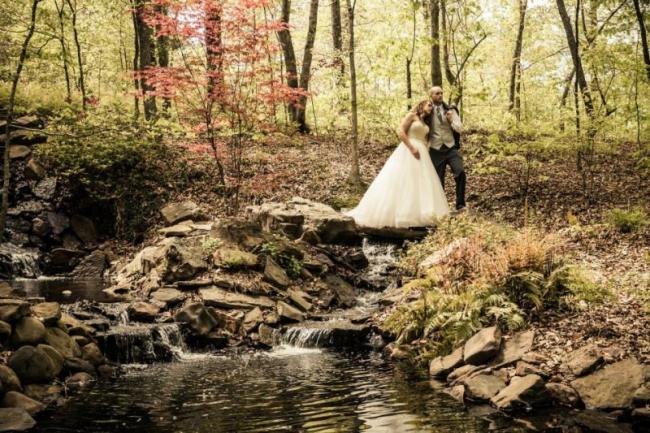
(19, 151)
(584, 360)
(44, 393)
(81, 340)
(217, 297)
(180, 262)
(299, 299)
(176, 212)
(441, 255)
(84, 228)
(55, 357)
(21, 401)
(612, 387)
(597, 422)
(92, 266)
(15, 419)
(234, 258)
(179, 230)
(514, 348)
(27, 330)
(64, 258)
(642, 395)
(563, 394)
(483, 346)
(457, 392)
(482, 387)
(105, 371)
(32, 365)
(641, 416)
(9, 379)
(76, 365)
(442, 365)
(75, 326)
(45, 189)
(5, 332)
(535, 358)
(79, 380)
(27, 121)
(40, 227)
(58, 221)
(344, 292)
(299, 215)
(168, 296)
(47, 312)
(143, 312)
(524, 369)
(291, 314)
(225, 320)
(526, 392)
(274, 274)
(462, 372)
(59, 340)
(34, 170)
(252, 319)
(266, 335)
(197, 318)
(143, 262)
(92, 354)
(12, 310)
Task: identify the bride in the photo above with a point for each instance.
(407, 191)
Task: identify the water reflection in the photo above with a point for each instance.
(309, 391)
(63, 290)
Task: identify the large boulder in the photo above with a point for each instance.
(15, 419)
(176, 212)
(217, 297)
(62, 342)
(301, 217)
(482, 387)
(514, 348)
(584, 360)
(21, 401)
(45, 393)
(289, 313)
(483, 346)
(274, 274)
(5, 331)
(92, 354)
(47, 312)
(13, 309)
(32, 365)
(54, 355)
(299, 298)
(79, 380)
(197, 318)
(92, 266)
(522, 392)
(344, 292)
(252, 319)
(562, 394)
(143, 312)
(9, 379)
(442, 365)
(27, 330)
(181, 262)
(612, 387)
(168, 296)
(234, 258)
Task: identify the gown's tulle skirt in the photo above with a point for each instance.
(406, 193)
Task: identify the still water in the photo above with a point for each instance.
(287, 390)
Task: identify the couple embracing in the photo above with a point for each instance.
(409, 189)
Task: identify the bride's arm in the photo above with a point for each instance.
(402, 132)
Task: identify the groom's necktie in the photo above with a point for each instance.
(439, 113)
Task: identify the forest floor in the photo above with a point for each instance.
(316, 167)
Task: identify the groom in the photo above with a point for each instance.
(444, 143)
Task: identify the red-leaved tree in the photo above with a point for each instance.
(221, 76)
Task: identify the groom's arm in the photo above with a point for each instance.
(454, 121)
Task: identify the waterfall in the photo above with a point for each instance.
(143, 343)
(18, 262)
(382, 257)
(305, 337)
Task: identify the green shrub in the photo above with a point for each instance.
(628, 221)
(291, 264)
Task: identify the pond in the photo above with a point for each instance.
(286, 390)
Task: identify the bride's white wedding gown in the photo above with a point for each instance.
(407, 191)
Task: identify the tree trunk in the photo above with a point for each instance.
(162, 43)
(286, 43)
(575, 56)
(213, 48)
(136, 56)
(305, 73)
(147, 60)
(515, 72)
(436, 70)
(337, 39)
(355, 177)
(64, 52)
(82, 84)
(409, 59)
(6, 166)
(644, 36)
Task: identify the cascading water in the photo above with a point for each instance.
(18, 262)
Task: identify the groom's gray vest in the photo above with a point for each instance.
(441, 134)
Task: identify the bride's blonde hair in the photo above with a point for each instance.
(418, 109)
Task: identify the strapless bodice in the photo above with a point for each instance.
(418, 131)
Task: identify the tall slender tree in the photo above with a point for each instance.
(643, 35)
(72, 4)
(146, 59)
(355, 176)
(514, 105)
(436, 68)
(60, 11)
(6, 166)
(337, 38)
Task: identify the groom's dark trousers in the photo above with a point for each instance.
(450, 156)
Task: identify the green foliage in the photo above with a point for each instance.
(486, 274)
(291, 264)
(628, 221)
(115, 169)
(210, 245)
